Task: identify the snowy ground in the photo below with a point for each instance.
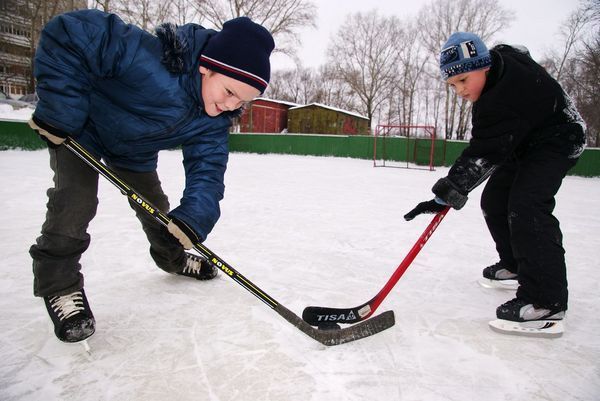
(307, 230)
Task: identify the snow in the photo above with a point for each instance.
(7, 112)
(307, 231)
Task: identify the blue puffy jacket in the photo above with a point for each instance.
(102, 82)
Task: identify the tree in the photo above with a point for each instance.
(572, 31)
(412, 59)
(146, 14)
(298, 85)
(364, 56)
(577, 65)
(283, 18)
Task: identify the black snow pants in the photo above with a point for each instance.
(517, 203)
(72, 204)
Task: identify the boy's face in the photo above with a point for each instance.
(222, 93)
(469, 84)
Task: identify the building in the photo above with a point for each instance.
(20, 24)
(265, 116)
(317, 118)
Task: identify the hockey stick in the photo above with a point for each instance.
(326, 337)
(318, 315)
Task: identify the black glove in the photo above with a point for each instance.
(428, 207)
(449, 193)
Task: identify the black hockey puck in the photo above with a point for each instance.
(328, 326)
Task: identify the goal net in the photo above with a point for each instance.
(404, 146)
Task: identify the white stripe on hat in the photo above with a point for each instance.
(465, 50)
(243, 72)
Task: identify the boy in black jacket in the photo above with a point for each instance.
(526, 136)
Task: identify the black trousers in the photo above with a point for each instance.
(517, 203)
(72, 204)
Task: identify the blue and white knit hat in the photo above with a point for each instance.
(241, 51)
(463, 52)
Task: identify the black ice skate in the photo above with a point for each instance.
(198, 268)
(520, 317)
(498, 276)
(72, 317)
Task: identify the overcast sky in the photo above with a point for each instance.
(536, 24)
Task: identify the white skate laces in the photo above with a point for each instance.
(192, 265)
(68, 305)
(197, 267)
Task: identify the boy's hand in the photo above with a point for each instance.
(448, 193)
(429, 207)
(56, 140)
(183, 233)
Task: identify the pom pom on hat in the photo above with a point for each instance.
(463, 52)
(241, 51)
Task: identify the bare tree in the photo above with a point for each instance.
(441, 18)
(572, 31)
(334, 91)
(411, 66)
(365, 57)
(182, 12)
(297, 85)
(146, 14)
(103, 5)
(283, 18)
(578, 68)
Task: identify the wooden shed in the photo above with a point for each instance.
(265, 116)
(318, 118)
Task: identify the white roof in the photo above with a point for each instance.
(331, 108)
(277, 101)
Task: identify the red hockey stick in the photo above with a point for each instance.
(320, 315)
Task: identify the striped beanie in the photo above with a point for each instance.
(241, 51)
(463, 52)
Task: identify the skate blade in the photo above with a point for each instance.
(536, 328)
(86, 347)
(509, 285)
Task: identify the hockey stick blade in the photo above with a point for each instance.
(316, 315)
(329, 337)
(336, 337)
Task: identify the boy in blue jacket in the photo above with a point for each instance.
(526, 136)
(126, 94)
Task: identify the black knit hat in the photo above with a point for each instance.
(241, 51)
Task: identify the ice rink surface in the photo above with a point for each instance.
(308, 231)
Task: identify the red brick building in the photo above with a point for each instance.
(265, 116)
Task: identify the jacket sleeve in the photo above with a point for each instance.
(205, 162)
(75, 50)
(494, 139)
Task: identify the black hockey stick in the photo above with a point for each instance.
(326, 337)
(318, 315)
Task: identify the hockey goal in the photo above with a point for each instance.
(404, 146)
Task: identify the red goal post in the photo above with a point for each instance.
(404, 146)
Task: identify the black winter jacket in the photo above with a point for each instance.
(520, 106)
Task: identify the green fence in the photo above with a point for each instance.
(16, 134)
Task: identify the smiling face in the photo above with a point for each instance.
(469, 84)
(221, 93)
